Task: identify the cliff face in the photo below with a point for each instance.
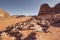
(3, 14)
(57, 8)
(46, 9)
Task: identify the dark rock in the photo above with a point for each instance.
(44, 9)
(57, 8)
(32, 36)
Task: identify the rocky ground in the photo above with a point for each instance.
(44, 26)
(32, 29)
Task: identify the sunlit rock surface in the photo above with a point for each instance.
(3, 13)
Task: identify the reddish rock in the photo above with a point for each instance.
(44, 9)
(57, 8)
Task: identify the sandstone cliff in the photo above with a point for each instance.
(3, 14)
(46, 9)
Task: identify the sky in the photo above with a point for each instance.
(25, 7)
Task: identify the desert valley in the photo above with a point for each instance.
(44, 26)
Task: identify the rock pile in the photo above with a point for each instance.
(16, 30)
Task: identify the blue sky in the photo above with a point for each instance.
(24, 7)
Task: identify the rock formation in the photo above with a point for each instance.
(31, 29)
(3, 14)
(46, 9)
(57, 8)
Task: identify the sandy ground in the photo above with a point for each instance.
(9, 21)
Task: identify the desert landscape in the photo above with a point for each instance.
(44, 26)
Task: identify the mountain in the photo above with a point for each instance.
(57, 8)
(46, 9)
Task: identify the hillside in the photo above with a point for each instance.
(44, 26)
